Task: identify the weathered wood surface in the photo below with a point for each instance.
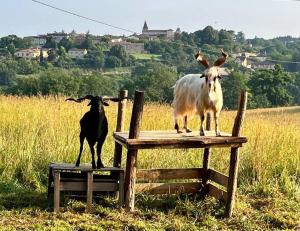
(81, 168)
(218, 177)
(217, 193)
(89, 191)
(168, 188)
(170, 139)
(234, 156)
(56, 190)
(82, 186)
(131, 161)
(206, 158)
(120, 127)
(151, 175)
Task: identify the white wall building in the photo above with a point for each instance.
(77, 53)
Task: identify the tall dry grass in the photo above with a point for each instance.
(36, 131)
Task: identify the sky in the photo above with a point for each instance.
(261, 18)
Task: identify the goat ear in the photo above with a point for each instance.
(201, 76)
(201, 59)
(219, 77)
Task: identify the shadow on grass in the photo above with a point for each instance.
(14, 196)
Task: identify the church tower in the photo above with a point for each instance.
(145, 27)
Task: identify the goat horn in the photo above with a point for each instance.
(201, 59)
(220, 61)
(114, 99)
(79, 100)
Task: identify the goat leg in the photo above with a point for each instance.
(185, 125)
(80, 150)
(201, 124)
(176, 127)
(216, 117)
(91, 144)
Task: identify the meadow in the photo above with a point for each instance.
(35, 131)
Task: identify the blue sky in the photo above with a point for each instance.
(262, 18)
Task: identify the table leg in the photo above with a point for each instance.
(89, 192)
(56, 190)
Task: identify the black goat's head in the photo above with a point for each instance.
(95, 100)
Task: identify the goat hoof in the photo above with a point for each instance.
(77, 165)
(187, 130)
(218, 133)
(202, 133)
(100, 166)
(178, 131)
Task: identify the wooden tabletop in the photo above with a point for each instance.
(171, 139)
(82, 167)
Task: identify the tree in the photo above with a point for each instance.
(119, 52)
(112, 62)
(50, 43)
(270, 87)
(154, 78)
(232, 85)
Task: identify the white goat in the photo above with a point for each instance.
(194, 94)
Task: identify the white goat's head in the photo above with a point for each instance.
(212, 73)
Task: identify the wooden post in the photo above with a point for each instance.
(121, 189)
(206, 159)
(120, 127)
(130, 175)
(89, 191)
(234, 156)
(56, 190)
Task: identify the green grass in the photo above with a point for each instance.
(146, 56)
(37, 131)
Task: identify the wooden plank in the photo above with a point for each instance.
(217, 193)
(150, 175)
(56, 191)
(82, 186)
(157, 141)
(89, 192)
(206, 159)
(121, 189)
(134, 131)
(168, 188)
(120, 127)
(81, 168)
(218, 177)
(234, 156)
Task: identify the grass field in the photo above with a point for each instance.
(146, 56)
(37, 131)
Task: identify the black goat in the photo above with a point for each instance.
(94, 126)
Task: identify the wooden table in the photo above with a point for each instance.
(136, 139)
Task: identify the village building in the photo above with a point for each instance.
(31, 53)
(168, 34)
(130, 48)
(38, 41)
(58, 36)
(77, 53)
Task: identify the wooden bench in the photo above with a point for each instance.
(68, 178)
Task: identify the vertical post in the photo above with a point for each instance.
(89, 191)
(130, 175)
(234, 156)
(206, 159)
(120, 127)
(121, 189)
(56, 174)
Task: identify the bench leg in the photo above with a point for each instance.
(56, 191)
(130, 178)
(121, 189)
(232, 181)
(89, 192)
